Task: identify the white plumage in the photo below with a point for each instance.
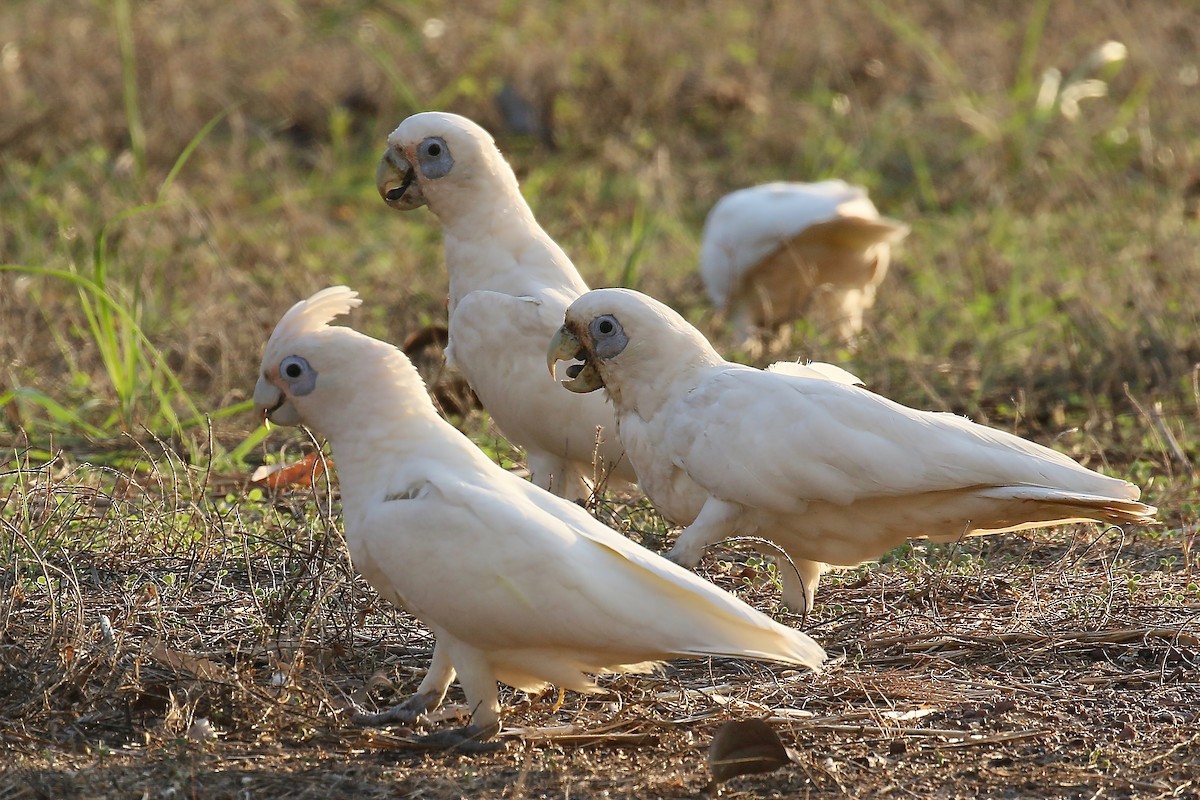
(509, 287)
(772, 253)
(516, 584)
(832, 473)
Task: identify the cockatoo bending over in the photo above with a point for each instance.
(772, 253)
(516, 584)
(509, 287)
(800, 455)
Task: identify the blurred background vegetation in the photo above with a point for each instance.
(173, 175)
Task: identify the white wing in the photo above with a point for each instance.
(746, 226)
(776, 442)
(504, 566)
(499, 342)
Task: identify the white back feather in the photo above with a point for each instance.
(746, 226)
(816, 369)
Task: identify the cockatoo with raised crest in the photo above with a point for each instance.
(509, 287)
(517, 585)
(773, 253)
(800, 455)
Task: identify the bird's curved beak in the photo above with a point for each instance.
(582, 378)
(273, 405)
(396, 180)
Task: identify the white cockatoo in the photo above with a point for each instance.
(517, 585)
(770, 254)
(509, 287)
(800, 455)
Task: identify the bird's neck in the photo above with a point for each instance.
(381, 457)
(383, 428)
(672, 376)
(494, 243)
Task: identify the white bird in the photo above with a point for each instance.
(509, 287)
(517, 585)
(828, 471)
(772, 253)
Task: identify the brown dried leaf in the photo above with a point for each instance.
(300, 474)
(744, 747)
(198, 667)
(380, 685)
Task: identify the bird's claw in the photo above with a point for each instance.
(408, 712)
(467, 739)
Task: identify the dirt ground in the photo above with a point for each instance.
(1068, 666)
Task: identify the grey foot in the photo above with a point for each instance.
(405, 713)
(467, 739)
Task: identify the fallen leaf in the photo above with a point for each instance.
(744, 747)
(380, 685)
(198, 667)
(300, 474)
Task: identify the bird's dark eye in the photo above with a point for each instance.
(434, 159)
(299, 374)
(608, 339)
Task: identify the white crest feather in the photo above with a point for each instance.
(316, 312)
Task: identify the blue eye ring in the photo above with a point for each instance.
(299, 375)
(434, 158)
(608, 337)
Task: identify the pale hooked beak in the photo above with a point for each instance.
(272, 404)
(396, 180)
(565, 346)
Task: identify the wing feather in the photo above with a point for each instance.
(798, 439)
(555, 578)
(526, 402)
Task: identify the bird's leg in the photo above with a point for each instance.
(572, 485)
(479, 684)
(429, 694)
(841, 310)
(800, 579)
(558, 699)
(717, 520)
(541, 470)
(556, 475)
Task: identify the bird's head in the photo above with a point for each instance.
(435, 155)
(313, 372)
(297, 357)
(625, 338)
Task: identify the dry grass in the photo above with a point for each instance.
(1049, 287)
(1051, 665)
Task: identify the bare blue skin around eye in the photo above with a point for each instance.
(607, 345)
(302, 384)
(434, 166)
